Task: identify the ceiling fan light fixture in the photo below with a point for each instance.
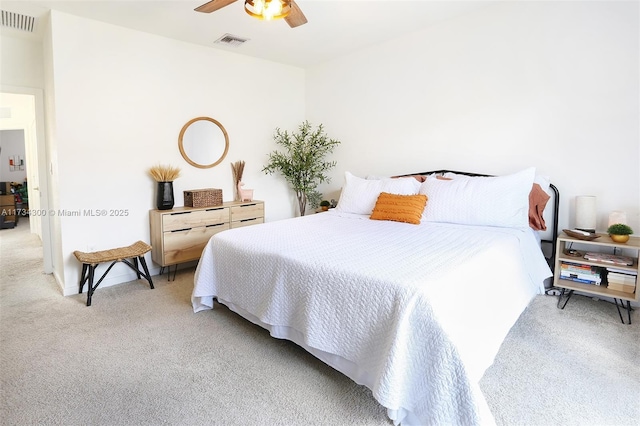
(268, 9)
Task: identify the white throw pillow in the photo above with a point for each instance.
(542, 180)
(489, 201)
(359, 195)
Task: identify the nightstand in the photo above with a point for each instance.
(603, 244)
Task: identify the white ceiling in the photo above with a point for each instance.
(335, 28)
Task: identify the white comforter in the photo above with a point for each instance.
(416, 313)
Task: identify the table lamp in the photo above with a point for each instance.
(586, 217)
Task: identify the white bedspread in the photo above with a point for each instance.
(416, 313)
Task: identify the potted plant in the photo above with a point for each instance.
(324, 204)
(302, 161)
(619, 232)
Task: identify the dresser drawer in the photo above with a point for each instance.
(193, 219)
(247, 222)
(186, 245)
(247, 211)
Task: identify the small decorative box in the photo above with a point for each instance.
(207, 197)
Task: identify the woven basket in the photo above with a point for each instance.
(207, 197)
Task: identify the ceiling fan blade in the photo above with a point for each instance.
(213, 5)
(295, 17)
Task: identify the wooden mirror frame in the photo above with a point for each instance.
(181, 144)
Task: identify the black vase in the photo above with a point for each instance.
(164, 199)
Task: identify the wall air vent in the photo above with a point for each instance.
(17, 21)
(231, 40)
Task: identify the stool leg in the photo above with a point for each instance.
(92, 269)
(135, 263)
(83, 278)
(146, 271)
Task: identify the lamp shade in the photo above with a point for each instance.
(617, 217)
(586, 217)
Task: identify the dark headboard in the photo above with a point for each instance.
(554, 202)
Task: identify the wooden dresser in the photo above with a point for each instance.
(180, 234)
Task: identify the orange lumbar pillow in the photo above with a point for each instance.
(399, 208)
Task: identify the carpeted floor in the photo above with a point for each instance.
(142, 357)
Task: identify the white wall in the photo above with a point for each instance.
(548, 84)
(121, 98)
(20, 61)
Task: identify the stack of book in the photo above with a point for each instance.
(580, 273)
(621, 280)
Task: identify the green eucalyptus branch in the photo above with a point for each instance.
(301, 161)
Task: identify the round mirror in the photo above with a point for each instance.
(203, 142)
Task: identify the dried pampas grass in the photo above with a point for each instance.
(237, 170)
(162, 173)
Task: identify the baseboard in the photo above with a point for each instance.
(59, 281)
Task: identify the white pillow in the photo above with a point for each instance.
(542, 180)
(488, 201)
(359, 195)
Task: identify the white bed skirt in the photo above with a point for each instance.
(350, 369)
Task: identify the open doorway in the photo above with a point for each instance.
(23, 162)
(14, 194)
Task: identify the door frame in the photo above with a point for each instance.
(43, 169)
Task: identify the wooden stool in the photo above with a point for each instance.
(91, 260)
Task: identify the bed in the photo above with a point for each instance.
(415, 309)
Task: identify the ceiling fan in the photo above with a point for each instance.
(263, 9)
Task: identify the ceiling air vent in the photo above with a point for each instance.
(17, 21)
(231, 40)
